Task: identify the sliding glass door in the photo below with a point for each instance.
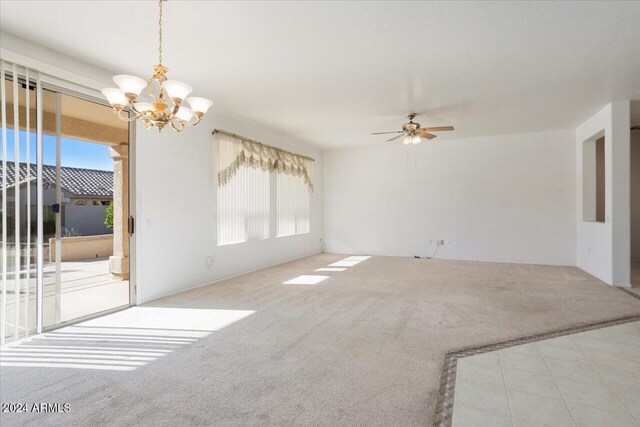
(65, 206)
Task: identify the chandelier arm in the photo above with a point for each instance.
(179, 128)
(176, 107)
(135, 110)
(162, 94)
(126, 117)
(151, 92)
(137, 114)
(194, 123)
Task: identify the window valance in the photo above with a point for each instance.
(235, 151)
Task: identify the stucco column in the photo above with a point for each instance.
(119, 262)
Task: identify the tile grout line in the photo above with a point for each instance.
(445, 401)
(556, 384)
(540, 395)
(504, 382)
(597, 372)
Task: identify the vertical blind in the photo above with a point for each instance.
(292, 206)
(250, 177)
(243, 205)
(21, 290)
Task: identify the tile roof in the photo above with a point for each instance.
(77, 181)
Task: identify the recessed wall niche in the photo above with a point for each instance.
(593, 179)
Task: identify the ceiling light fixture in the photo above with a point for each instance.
(411, 139)
(412, 133)
(157, 113)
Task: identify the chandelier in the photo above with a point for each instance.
(164, 104)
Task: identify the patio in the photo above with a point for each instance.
(86, 287)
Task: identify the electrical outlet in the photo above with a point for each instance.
(208, 260)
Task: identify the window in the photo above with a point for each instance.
(292, 205)
(243, 207)
(262, 190)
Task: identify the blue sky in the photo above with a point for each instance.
(77, 154)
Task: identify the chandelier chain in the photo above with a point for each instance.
(169, 98)
(160, 33)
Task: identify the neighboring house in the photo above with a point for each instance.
(86, 193)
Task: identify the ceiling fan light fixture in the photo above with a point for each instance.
(412, 133)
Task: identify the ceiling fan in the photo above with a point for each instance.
(413, 133)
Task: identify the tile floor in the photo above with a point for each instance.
(586, 379)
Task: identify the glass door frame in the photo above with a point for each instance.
(43, 82)
(87, 94)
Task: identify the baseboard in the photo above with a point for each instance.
(504, 261)
(445, 258)
(621, 285)
(168, 294)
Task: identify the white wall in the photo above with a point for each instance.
(176, 209)
(502, 198)
(603, 249)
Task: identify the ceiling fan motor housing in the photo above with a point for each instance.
(411, 127)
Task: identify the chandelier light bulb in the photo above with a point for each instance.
(406, 140)
(116, 97)
(199, 105)
(416, 139)
(176, 90)
(130, 84)
(143, 107)
(184, 113)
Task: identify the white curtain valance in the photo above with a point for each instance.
(235, 151)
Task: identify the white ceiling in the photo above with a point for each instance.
(332, 72)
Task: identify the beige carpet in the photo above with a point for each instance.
(363, 347)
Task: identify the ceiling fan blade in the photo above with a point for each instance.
(439, 128)
(383, 133)
(422, 133)
(395, 137)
